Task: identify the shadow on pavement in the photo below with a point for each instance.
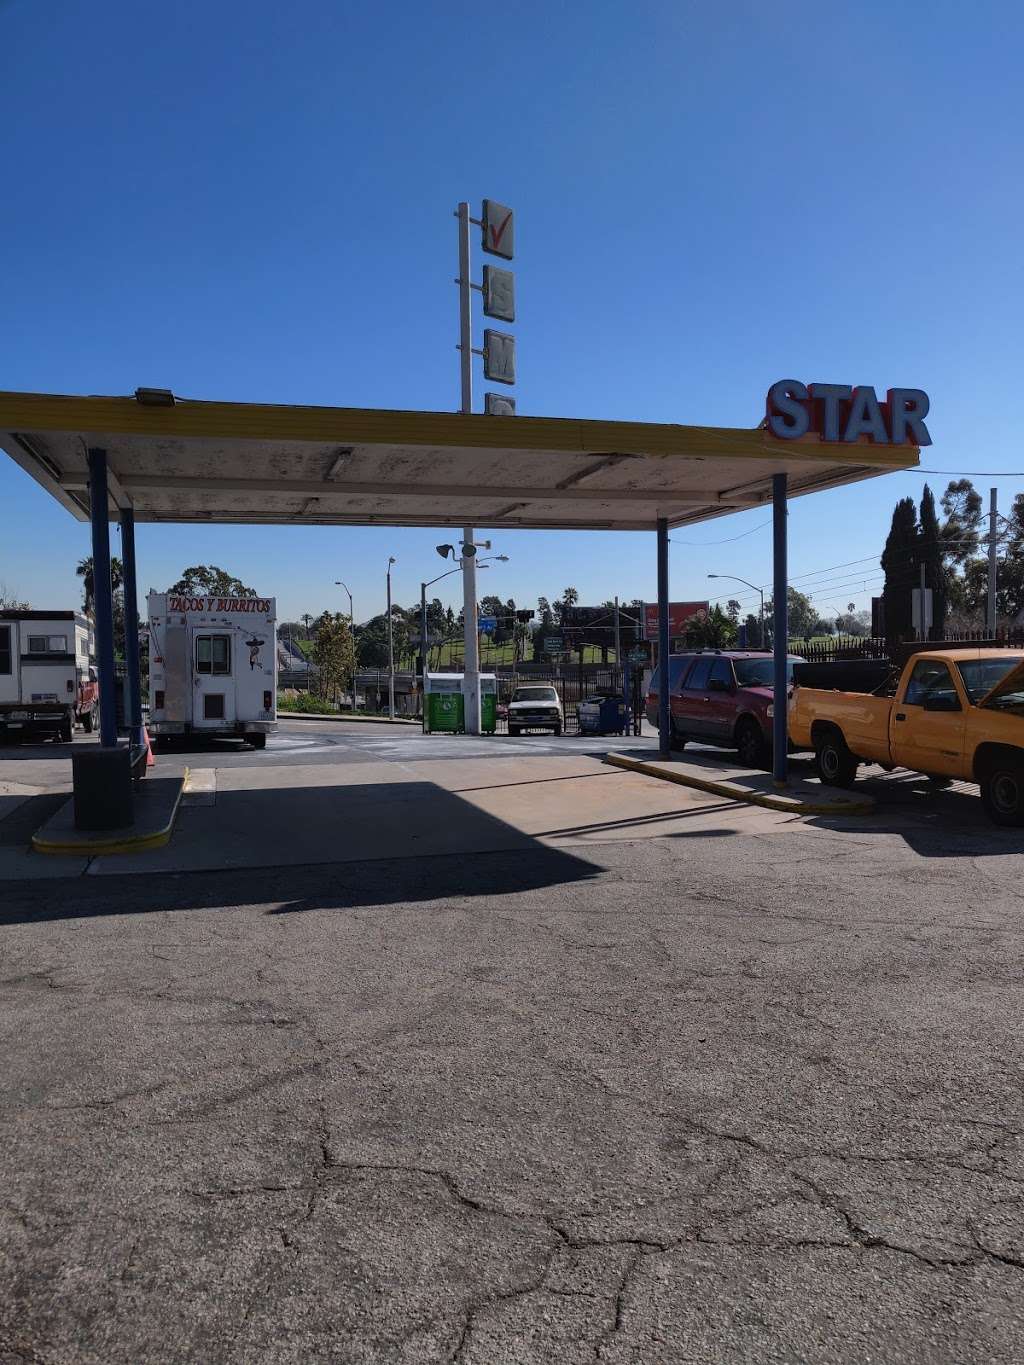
(290, 890)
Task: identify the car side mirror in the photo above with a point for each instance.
(941, 704)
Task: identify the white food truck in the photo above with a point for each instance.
(212, 667)
(46, 680)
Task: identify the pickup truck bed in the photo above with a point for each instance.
(953, 714)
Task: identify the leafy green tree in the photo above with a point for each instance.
(211, 581)
(899, 563)
(961, 505)
(803, 615)
(712, 629)
(84, 571)
(334, 655)
(753, 625)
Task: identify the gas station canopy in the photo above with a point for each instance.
(179, 460)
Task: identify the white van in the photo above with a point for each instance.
(212, 667)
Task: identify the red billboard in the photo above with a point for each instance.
(678, 615)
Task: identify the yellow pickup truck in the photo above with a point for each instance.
(954, 713)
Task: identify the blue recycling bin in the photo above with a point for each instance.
(602, 716)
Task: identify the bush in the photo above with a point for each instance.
(303, 701)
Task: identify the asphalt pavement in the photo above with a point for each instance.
(723, 1086)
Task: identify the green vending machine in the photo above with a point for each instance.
(488, 703)
(444, 705)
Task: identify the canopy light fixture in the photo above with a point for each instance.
(155, 398)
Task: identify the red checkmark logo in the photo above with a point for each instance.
(497, 236)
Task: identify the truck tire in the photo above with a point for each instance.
(257, 741)
(1002, 792)
(514, 731)
(557, 731)
(750, 745)
(676, 741)
(836, 766)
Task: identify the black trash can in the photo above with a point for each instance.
(103, 787)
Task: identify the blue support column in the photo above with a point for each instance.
(133, 683)
(664, 714)
(103, 596)
(780, 630)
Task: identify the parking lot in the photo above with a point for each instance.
(417, 1049)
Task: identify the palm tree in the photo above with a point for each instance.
(85, 572)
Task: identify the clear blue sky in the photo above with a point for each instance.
(253, 201)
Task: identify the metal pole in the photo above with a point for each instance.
(133, 707)
(391, 653)
(780, 700)
(664, 714)
(992, 562)
(922, 620)
(763, 642)
(103, 598)
(618, 642)
(465, 311)
(423, 656)
(471, 665)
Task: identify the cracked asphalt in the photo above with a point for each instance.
(747, 1093)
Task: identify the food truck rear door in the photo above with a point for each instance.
(213, 682)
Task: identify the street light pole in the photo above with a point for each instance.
(351, 610)
(736, 579)
(391, 648)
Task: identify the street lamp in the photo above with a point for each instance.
(351, 610)
(748, 584)
(391, 646)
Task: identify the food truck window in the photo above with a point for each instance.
(5, 649)
(213, 653)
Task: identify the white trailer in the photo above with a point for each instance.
(212, 666)
(46, 680)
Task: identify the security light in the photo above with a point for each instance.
(445, 550)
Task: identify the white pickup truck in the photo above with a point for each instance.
(536, 707)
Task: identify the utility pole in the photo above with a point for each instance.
(618, 640)
(993, 514)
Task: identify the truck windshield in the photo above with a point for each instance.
(535, 694)
(761, 672)
(981, 675)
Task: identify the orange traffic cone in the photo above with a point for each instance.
(150, 760)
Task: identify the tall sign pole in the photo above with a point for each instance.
(471, 654)
(499, 355)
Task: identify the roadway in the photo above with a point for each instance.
(642, 1083)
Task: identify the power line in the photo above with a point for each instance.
(699, 543)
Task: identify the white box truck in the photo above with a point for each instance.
(212, 667)
(47, 682)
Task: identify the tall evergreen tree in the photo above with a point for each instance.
(931, 555)
(899, 563)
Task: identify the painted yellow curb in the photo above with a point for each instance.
(863, 806)
(90, 848)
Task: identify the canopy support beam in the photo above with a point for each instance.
(780, 631)
(664, 713)
(103, 597)
(133, 691)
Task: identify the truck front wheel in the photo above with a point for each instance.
(837, 767)
(1002, 793)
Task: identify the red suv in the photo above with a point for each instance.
(721, 697)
